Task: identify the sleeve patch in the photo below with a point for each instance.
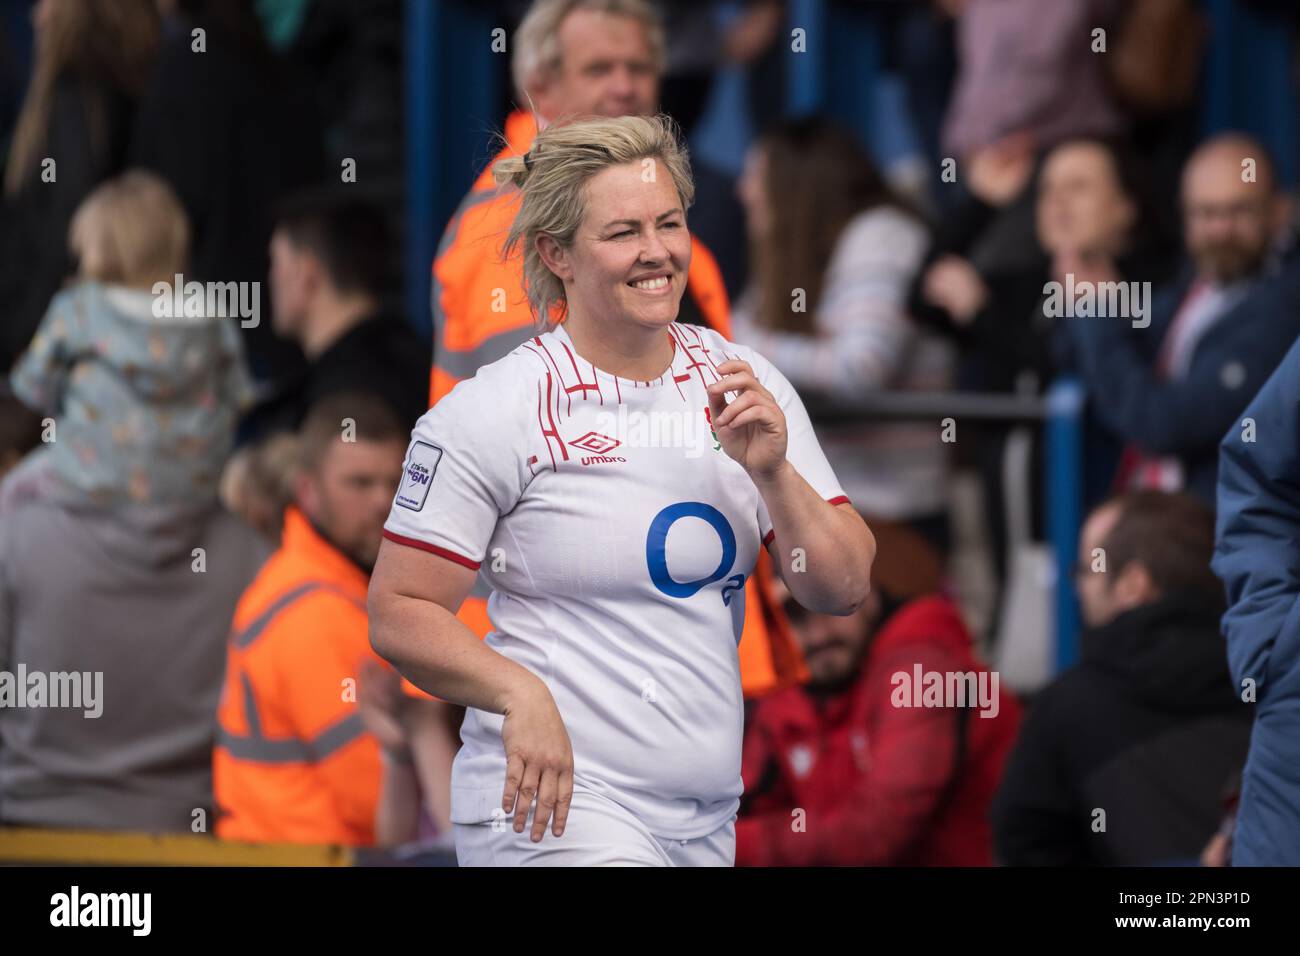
(421, 465)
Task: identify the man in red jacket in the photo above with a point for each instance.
(890, 754)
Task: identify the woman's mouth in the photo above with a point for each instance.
(653, 285)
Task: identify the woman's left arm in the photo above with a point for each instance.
(824, 551)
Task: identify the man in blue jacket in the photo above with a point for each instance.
(1258, 558)
(1170, 381)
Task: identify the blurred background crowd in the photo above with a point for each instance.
(886, 192)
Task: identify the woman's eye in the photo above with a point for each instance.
(622, 235)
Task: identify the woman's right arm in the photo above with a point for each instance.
(414, 596)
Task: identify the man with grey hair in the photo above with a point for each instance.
(582, 58)
(573, 59)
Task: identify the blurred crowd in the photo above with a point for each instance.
(193, 498)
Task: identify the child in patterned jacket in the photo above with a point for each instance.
(143, 403)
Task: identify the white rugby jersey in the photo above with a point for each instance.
(617, 537)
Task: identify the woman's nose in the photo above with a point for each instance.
(654, 249)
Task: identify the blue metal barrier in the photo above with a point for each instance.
(806, 72)
(1064, 483)
(452, 109)
(420, 31)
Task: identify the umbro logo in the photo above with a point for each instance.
(596, 442)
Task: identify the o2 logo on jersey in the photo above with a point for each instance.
(733, 592)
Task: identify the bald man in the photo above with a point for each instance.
(1233, 213)
(1170, 382)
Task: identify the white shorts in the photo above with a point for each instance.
(599, 832)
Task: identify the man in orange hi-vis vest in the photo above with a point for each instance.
(575, 58)
(294, 762)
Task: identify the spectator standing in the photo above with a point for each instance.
(92, 61)
(1091, 204)
(1028, 68)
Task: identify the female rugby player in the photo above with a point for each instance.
(606, 703)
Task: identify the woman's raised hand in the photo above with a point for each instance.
(752, 427)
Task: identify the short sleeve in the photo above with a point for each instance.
(463, 470)
(802, 448)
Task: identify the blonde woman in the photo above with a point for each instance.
(605, 706)
(144, 402)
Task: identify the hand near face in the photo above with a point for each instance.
(999, 172)
(752, 428)
(953, 284)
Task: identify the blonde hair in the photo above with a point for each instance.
(553, 176)
(130, 231)
(537, 41)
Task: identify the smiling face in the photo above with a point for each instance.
(630, 255)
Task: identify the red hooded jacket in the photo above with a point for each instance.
(880, 784)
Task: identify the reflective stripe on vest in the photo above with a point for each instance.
(444, 245)
(255, 748)
(262, 750)
(462, 365)
(253, 631)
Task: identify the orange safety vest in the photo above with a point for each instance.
(293, 762)
(480, 314)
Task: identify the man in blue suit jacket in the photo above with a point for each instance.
(1258, 558)
(1171, 388)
